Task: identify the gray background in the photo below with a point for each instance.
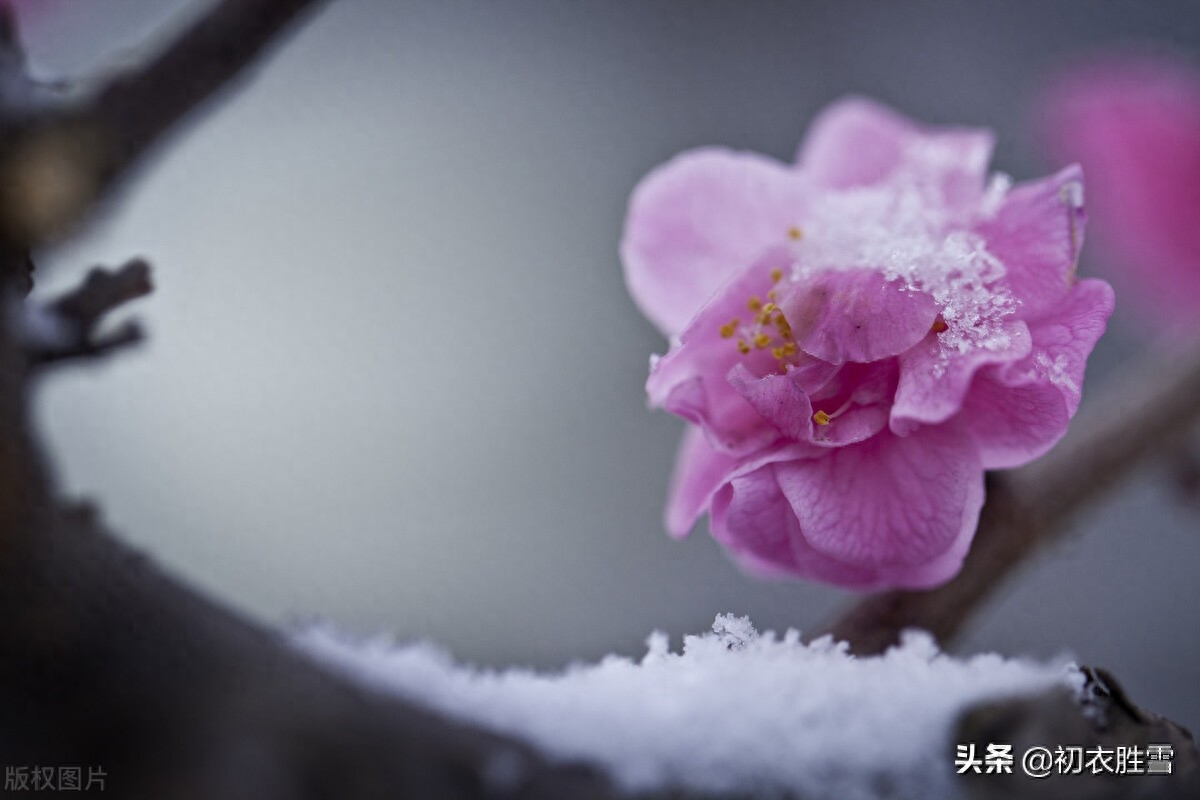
(395, 380)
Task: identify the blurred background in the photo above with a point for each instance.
(394, 379)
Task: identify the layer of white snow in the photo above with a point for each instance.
(735, 710)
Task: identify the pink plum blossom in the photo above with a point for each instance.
(1134, 123)
(856, 337)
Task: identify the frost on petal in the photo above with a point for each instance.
(934, 379)
(697, 221)
(1018, 412)
(858, 142)
(1063, 339)
(856, 316)
(1037, 233)
(893, 504)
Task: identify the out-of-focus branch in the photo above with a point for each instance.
(137, 108)
(105, 660)
(1026, 509)
(56, 165)
(67, 328)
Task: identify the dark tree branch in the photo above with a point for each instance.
(1106, 718)
(1028, 508)
(56, 166)
(136, 109)
(73, 319)
(104, 660)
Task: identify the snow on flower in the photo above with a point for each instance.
(856, 337)
(1134, 124)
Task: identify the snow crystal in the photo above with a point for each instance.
(997, 190)
(906, 227)
(1056, 370)
(735, 710)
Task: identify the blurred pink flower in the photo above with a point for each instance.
(1134, 123)
(855, 338)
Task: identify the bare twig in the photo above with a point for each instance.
(1028, 508)
(67, 327)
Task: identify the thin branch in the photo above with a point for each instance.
(67, 328)
(1026, 509)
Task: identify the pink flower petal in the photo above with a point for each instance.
(854, 396)
(858, 142)
(1015, 417)
(697, 221)
(691, 379)
(755, 522)
(856, 399)
(856, 315)
(778, 399)
(934, 380)
(1037, 233)
(701, 470)
(894, 504)
(1019, 411)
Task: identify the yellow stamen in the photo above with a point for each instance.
(729, 328)
(754, 303)
(821, 418)
(776, 275)
(743, 347)
(795, 234)
(761, 341)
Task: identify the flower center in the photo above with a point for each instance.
(767, 328)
